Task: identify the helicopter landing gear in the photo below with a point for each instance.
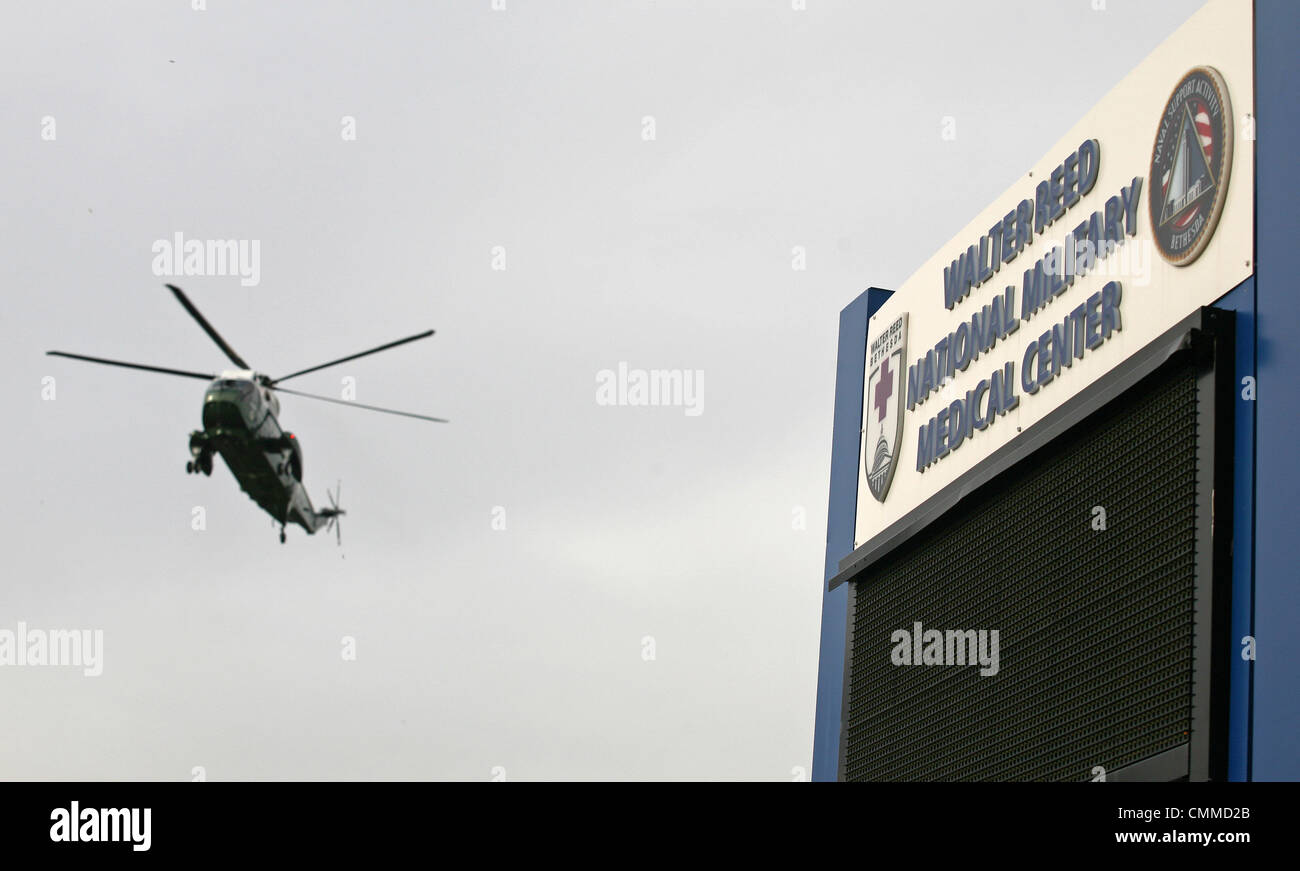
(201, 450)
(281, 535)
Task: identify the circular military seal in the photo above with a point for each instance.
(1190, 165)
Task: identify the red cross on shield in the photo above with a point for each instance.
(882, 430)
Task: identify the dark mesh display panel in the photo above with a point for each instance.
(1095, 627)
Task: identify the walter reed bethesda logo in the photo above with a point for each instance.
(209, 257)
(67, 647)
(883, 429)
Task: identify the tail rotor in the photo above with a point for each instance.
(334, 512)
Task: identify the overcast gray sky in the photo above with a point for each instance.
(479, 650)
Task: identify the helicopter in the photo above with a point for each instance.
(241, 423)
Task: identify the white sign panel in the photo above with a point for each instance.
(1139, 215)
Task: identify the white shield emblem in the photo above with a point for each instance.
(882, 406)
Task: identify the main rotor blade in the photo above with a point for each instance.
(358, 404)
(131, 365)
(423, 335)
(208, 328)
